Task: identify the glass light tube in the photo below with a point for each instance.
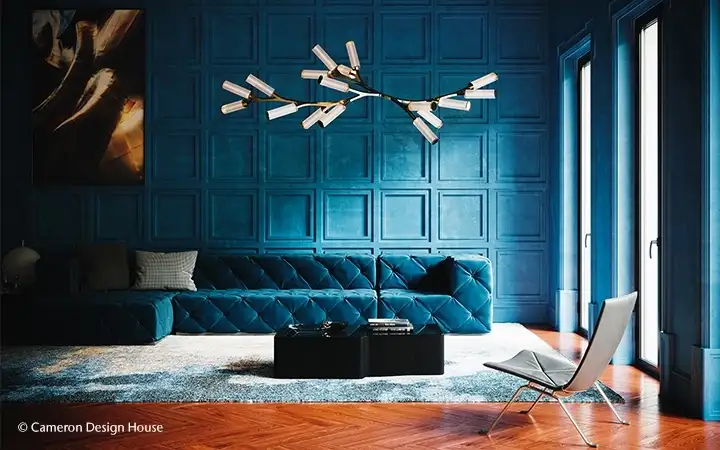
(353, 54)
(431, 118)
(484, 80)
(334, 84)
(313, 118)
(312, 74)
(454, 104)
(332, 115)
(260, 85)
(236, 89)
(234, 106)
(282, 111)
(479, 93)
(420, 106)
(425, 130)
(324, 57)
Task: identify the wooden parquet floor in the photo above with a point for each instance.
(374, 426)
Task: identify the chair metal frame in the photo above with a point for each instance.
(562, 391)
(556, 395)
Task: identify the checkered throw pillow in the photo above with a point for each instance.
(169, 271)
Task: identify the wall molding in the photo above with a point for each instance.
(710, 298)
(570, 52)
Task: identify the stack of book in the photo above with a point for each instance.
(390, 326)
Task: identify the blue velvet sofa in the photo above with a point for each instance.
(262, 293)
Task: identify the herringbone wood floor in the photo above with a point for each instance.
(375, 426)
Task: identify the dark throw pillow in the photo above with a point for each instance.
(104, 267)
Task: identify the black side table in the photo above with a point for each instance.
(341, 354)
(420, 353)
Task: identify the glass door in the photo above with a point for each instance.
(649, 190)
(584, 195)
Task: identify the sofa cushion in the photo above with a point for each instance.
(285, 272)
(267, 310)
(441, 309)
(424, 273)
(170, 271)
(92, 318)
(104, 266)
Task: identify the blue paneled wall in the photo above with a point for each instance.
(367, 183)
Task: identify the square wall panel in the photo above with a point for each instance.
(233, 36)
(348, 156)
(405, 38)
(118, 216)
(519, 275)
(219, 96)
(412, 86)
(60, 217)
(521, 38)
(340, 28)
(290, 38)
(404, 215)
(520, 216)
(521, 156)
(403, 157)
(348, 251)
(176, 96)
(453, 82)
(348, 215)
(233, 157)
(175, 215)
(176, 37)
(290, 215)
(291, 2)
(463, 251)
(289, 251)
(406, 2)
(462, 38)
(290, 157)
(462, 2)
(462, 157)
(405, 251)
(232, 215)
(175, 156)
(522, 97)
(462, 215)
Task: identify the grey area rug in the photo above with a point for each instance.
(239, 368)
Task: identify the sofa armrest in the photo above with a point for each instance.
(471, 284)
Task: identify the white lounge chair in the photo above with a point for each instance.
(557, 377)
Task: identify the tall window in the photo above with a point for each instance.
(585, 67)
(649, 188)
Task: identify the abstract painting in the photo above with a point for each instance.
(88, 96)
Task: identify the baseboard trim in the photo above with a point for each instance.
(706, 382)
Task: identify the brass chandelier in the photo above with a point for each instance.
(348, 80)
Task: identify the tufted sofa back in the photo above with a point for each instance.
(425, 273)
(285, 272)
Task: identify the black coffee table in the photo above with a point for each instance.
(355, 352)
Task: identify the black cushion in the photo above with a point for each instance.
(104, 267)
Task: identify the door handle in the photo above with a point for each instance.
(585, 242)
(655, 242)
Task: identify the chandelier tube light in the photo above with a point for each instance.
(431, 118)
(476, 94)
(347, 79)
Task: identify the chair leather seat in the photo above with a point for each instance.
(550, 371)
